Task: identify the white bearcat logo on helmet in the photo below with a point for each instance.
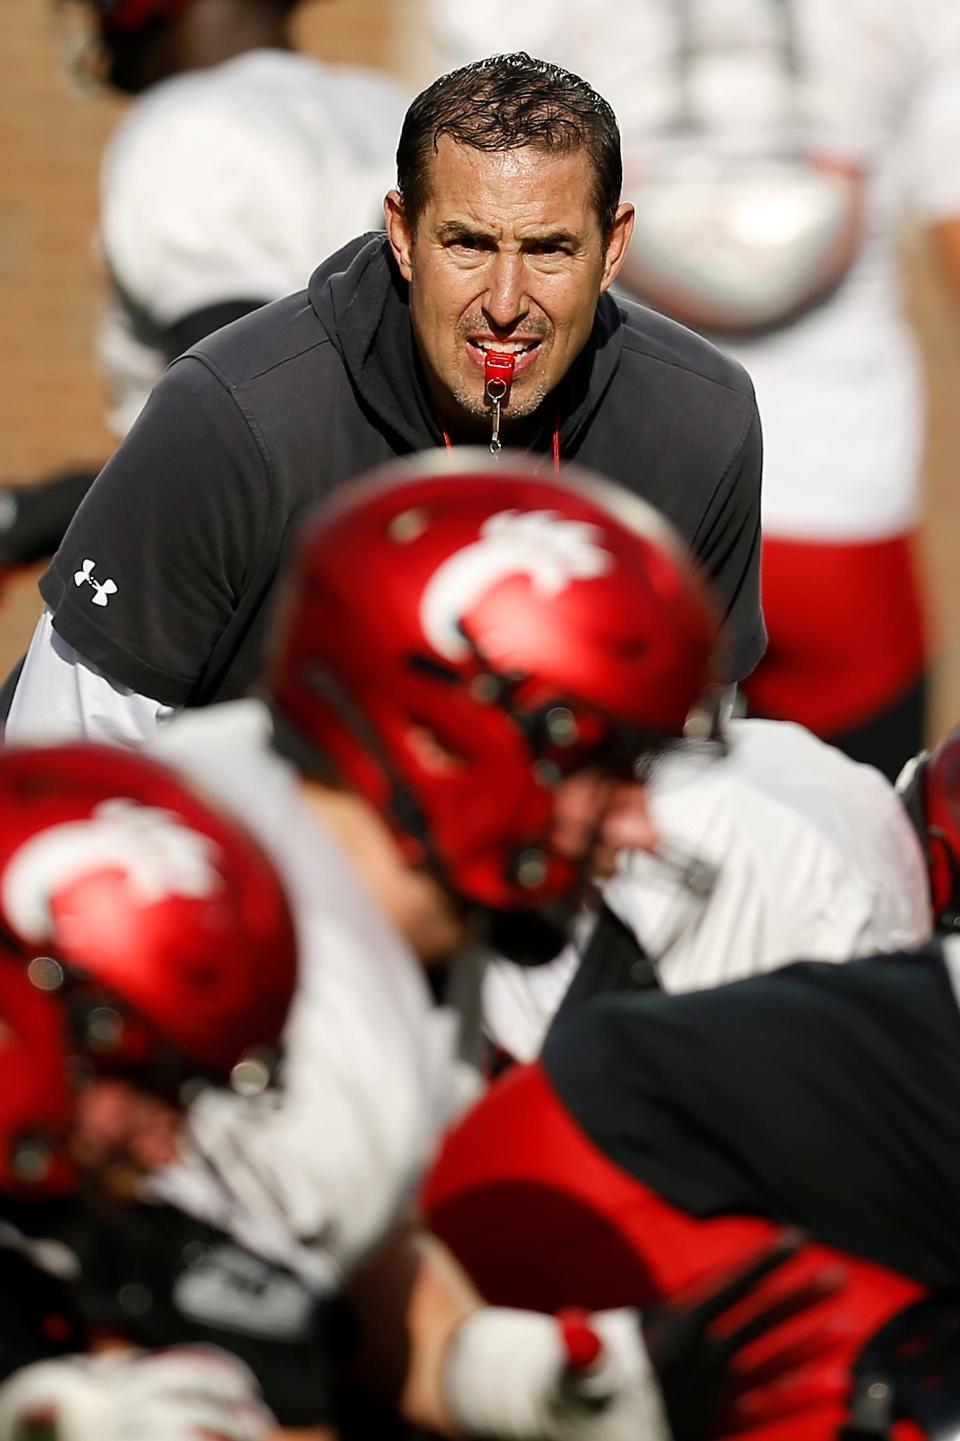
(157, 852)
(540, 544)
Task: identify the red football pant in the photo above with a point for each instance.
(846, 632)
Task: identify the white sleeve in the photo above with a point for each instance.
(195, 213)
(813, 859)
(59, 696)
(210, 195)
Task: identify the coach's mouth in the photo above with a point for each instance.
(524, 351)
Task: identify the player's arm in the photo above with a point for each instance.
(461, 1368)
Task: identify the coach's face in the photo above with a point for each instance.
(507, 255)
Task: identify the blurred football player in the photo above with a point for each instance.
(46, 1374)
(241, 164)
(156, 953)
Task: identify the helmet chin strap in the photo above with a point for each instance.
(497, 380)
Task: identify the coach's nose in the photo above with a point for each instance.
(506, 302)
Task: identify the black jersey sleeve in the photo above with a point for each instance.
(162, 1278)
(821, 1096)
(727, 545)
(175, 546)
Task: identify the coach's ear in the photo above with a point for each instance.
(617, 244)
(398, 232)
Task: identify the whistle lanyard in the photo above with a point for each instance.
(555, 444)
(498, 371)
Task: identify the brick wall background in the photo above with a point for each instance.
(50, 395)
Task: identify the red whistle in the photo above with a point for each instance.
(498, 375)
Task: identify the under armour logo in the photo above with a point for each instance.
(102, 591)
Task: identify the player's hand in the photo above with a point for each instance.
(523, 1376)
(621, 1376)
(187, 1393)
(705, 1382)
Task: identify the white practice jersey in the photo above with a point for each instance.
(839, 390)
(313, 1173)
(231, 184)
(813, 855)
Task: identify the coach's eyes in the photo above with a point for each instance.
(470, 244)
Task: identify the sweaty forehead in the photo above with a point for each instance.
(503, 191)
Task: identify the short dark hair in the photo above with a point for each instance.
(502, 103)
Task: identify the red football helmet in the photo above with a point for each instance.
(159, 921)
(35, 1101)
(462, 632)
